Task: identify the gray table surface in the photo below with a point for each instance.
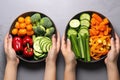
(60, 11)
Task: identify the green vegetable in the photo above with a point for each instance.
(84, 47)
(71, 32)
(35, 17)
(85, 23)
(49, 31)
(45, 44)
(75, 49)
(37, 54)
(35, 28)
(83, 31)
(46, 22)
(79, 36)
(41, 46)
(84, 37)
(85, 16)
(36, 44)
(33, 37)
(87, 48)
(74, 23)
(80, 45)
(40, 30)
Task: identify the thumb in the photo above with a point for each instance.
(68, 44)
(10, 41)
(112, 44)
(53, 40)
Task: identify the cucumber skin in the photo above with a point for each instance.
(74, 23)
(88, 49)
(85, 16)
(84, 47)
(80, 45)
(85, 23)
(73, 39)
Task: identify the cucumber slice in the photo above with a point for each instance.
(71, 32)
(85, 22)
(36, 46)
(38, 38)
(49, 46)
(44, 49)
(37, 54)
(83, 31)
(42, 56)
(36, 58)
(74, 23)
(44, 42)
(83, 27)
(85, 16)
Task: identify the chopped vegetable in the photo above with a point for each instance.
(85, 16)
(71, 32)
(14, 31)
(73, 39)
(99, 36)
(49, 31)
(35, 17)
(90, 36)
(28, 52)
(74, 23)
(17, 44)
(46, 22)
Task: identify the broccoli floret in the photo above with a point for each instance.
(49, 31)
(40, 30)
(46, 22)
(35, 28)
(35, 17)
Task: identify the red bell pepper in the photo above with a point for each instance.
(26, 40)
(17, 44)
(28, 52)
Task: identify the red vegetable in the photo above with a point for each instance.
(26, 40)
(28, 52)
(17, 44)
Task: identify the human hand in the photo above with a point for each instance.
(67, 52)
(52, 54)
(113, 54)
(9, 51)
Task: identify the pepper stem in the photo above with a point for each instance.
(28, 46)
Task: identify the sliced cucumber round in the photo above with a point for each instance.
(44, 42)
(36, 46)
(74, 23)
(37, 54)
(83, 31)
(49, 46)
(71, 32)
(85, 16)
(42, 56)
(85, 22)
(44, 49)
(36, 58)
(38, 38)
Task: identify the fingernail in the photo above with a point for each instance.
(112, 39)
(10, 36)
(54, 35)
(68, 40)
